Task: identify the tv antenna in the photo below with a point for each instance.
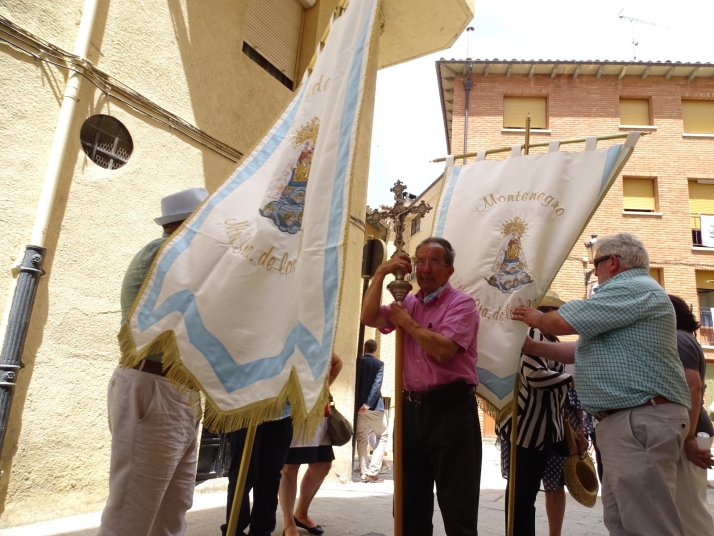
(633, 21)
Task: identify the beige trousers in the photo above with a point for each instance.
(640, 452)
(377, 421)
(691, 498)
(153, 462)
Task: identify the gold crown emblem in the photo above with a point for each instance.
(516, 225)
(307, 132)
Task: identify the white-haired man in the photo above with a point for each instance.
(630, 377)
(152, 469)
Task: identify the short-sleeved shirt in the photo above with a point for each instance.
(627, 351)
(692, 357)
(453, 314)
(134, 278)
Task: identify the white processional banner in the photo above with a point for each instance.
(512, 223)
(243, 299)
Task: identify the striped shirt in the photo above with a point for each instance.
(541, 398)
(627, 351)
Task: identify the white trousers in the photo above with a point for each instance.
(377, 421)
(640, 452)
(691, 498)
(153, 462)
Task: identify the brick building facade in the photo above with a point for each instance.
(660, 194)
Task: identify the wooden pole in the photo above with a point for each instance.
(240, 484)
(542, 144)
(512, 462)
(397, 439)
(526, 145)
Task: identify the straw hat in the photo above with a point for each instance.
(581, 479)
(551, 299)
(179, 206)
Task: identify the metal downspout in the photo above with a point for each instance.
(31, 268)
(467, 88)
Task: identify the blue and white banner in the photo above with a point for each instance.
(243, 299)
(513, 223)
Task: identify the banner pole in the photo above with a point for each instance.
(397, 440)
(242, 476)
(512, 462)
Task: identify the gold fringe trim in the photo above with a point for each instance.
(499, 415)
(216, 419)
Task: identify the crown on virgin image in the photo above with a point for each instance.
(307, 132)
(516, 225)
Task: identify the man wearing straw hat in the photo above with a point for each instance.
(153, 462)
(630, 377)
(442, 435)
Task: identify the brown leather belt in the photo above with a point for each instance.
(656, 401)
(152, 367)
(442, 395)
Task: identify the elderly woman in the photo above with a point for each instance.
(691, 489)
(540, 436)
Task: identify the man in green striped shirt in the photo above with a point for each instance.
(628, 374)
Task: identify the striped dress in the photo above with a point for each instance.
(541, 399)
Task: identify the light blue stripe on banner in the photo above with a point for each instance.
(456, 171)
(612, 154)
(498, 386)
(232, 375)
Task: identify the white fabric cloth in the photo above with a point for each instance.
(319, 438)
(153, 460)
(640, 451)
(377, 421)
(691, 498)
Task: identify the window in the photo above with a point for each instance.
(656, 274)
(516, 109)
(698, 117)
(705, 293)
(701, 202)
(638, 195)
(106, 141)
(415, 225)
(635, 112)
(273, 30)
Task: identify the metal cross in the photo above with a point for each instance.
(398, 213)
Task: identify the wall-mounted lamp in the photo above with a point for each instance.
(591, 249)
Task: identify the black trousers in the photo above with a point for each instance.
(442, 445)
(530, 466)
(270, 449)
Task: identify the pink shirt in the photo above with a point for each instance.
(453, 314)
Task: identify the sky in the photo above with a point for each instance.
(408, 128)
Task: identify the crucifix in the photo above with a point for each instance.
(399, 288)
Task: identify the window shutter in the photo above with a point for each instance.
(634, 112)
(273, 28)
(656, 274)
(638, 194)
(705, 279)
(698, 117)
(516, 109)
(701, 198)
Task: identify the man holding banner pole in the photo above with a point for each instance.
(630, 378)
(442, 435)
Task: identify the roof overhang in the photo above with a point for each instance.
(415, 28)
(448, 70)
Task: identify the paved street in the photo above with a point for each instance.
(351, 509)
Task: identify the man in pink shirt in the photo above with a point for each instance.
(442, 435)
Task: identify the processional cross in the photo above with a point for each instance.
(399, 288)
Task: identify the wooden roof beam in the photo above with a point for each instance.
(577, 71)
(622, 73)
(669, 73)
(694, 73)
(600, 71)
(647, 71)
(530, 73)
(508, 71)
(485, 70)
(554, 71)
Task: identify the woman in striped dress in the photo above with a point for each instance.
(540, 430)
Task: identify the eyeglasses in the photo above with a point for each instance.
(603, 258)
(421, 263)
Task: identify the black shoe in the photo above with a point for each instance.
(317, 529)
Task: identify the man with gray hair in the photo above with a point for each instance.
(630, 377)
(441, 431)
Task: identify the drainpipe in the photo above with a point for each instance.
(30, 270)
(467, 89)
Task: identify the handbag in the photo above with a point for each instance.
(339, 429)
